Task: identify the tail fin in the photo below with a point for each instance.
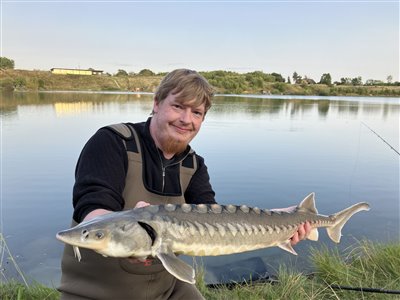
(335, 231)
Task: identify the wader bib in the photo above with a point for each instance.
(98, 277)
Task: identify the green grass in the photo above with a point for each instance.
(17, 291)
(366, 264)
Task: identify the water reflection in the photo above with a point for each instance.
(260, 151)
(75, 103)
(68, 102)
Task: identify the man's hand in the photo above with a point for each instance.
(141, 204)
(95, 213)
(302, 233)
(135, 260)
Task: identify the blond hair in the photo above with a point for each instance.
(188, 84)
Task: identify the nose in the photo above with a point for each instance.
(186, 116)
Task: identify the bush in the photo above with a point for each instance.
(19, 83)
(7, 85)
(6, 63)
(41, 84)
(281, 87)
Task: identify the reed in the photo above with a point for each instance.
(5, 254)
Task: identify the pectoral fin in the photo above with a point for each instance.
(288, 247)
(313, 236)
(177, 267)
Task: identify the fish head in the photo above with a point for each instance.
(114, 234)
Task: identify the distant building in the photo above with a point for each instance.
(76, 71)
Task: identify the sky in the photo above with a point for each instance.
(343, 38)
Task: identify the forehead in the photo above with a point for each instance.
(187, 101)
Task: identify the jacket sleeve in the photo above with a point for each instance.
(100, 175)
(200, 189)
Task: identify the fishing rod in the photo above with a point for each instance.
(365, 289)
(274, 280)
(381, 138)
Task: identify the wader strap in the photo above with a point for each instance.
(122, 279)
(131, 141)
(123, 130)
(187, 171)
(128, 135)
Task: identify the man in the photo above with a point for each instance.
(130, 165)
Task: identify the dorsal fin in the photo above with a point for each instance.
(308, 204)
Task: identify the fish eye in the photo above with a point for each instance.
(99, 235)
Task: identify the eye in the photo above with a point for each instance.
(176, 106)
(198, 114)
(99, 235)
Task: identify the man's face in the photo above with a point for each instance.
(175, 124)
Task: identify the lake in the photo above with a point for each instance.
(265, 151)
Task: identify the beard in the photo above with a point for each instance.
(169, 141)
(169, 145)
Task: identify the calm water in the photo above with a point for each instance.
(260, 152)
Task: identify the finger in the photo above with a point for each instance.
(307, 227)
(301, 231)
(295, 239)
(141, 204)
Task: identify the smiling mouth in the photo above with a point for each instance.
(182, 129)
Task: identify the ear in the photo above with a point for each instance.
(155, 106)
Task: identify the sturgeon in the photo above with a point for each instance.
(162, 231)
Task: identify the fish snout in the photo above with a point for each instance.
(62, 236)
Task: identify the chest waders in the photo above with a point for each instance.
(98, 277)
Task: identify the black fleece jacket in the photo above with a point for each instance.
(103, 163)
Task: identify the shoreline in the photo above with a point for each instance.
(226, 84)
(358, 98)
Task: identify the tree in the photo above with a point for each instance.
(296, 77)
(146, 72)
(373, 82)
(389, 79)
(326, 79)
(288, 80)
(356, 81)
(6, 63)
(278, 77)
(121, 73)
(345, 80)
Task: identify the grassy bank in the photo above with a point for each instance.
(223, 82)
(366, 265)
(23, 80)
